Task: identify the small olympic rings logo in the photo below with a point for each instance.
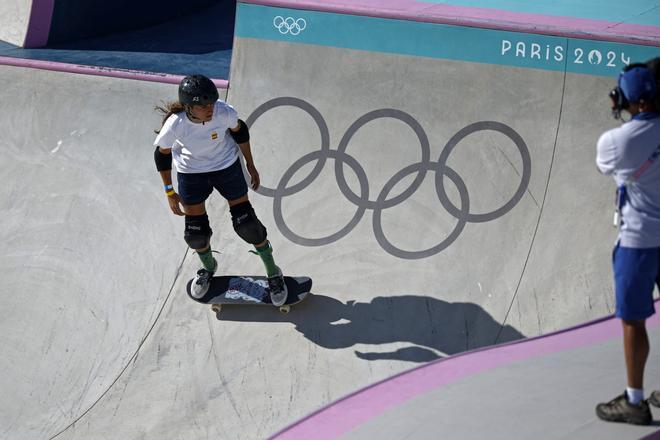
(289, 25)
(383, 201)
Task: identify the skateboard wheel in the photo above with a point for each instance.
(216, 308)
(285, 309)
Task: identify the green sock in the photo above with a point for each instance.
(266, 254)
(207, 259)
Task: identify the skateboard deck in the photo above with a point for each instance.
(250, 290)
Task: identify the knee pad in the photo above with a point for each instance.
(246, 224)
(198, 231)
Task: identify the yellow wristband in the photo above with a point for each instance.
(169, 193)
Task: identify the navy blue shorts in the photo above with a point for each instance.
(636, 271)
(195, 188)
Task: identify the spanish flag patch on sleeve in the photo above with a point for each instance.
(214, 135)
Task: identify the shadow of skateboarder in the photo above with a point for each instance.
(433, 327)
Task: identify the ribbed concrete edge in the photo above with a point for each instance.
(101, 71)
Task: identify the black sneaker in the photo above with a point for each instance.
(654, 399)
(278, 290)
(620, 410)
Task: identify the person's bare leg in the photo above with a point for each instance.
(636, 350)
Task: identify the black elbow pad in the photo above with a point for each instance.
(163, 161)
(242, 135)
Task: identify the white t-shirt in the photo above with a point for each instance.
(200, 148)
(621, 152)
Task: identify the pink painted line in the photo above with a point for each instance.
(481, 17)
(101, 71)
(41, 16)
(355, 409)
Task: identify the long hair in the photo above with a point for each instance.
(168, 109)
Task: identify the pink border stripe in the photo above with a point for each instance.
(41, 16)
(101, 71)
(481, 17)
(361, 406)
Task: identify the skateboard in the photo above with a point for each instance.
(250, 290)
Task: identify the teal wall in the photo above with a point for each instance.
(438, 41)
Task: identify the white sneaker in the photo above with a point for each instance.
(278, 290)
(202, 281)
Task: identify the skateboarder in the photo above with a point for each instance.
(203, 135)
(631, 155)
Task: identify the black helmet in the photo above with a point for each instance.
(197, 90)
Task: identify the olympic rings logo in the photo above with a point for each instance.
(363, 202)
(289, 25)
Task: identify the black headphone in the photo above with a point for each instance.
(617, 95)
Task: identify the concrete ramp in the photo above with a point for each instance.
(15, 20)
(89, 254)
(543, 387)
(408, 166)
(436, 182)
